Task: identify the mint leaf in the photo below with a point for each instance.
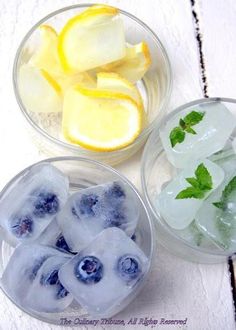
(193, 118)
(229, 188)
(203, 177)
(190, 130)
(177, 135)
(190, 192)
(200, 185)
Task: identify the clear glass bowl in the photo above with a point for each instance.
(84, 173)
(156, 171)
(155, 88)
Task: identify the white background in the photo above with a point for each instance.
(176, 289)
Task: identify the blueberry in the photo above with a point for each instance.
(22, 226)
(45, 203)
(52, 279)
(114, 218)
(37, 266)
(115, 192)
(62, 244)
(89, 270)
(86, 204)
(134, 237)
(128, 267)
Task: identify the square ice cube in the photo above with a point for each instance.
(91, 210)
(104, 273)
(179, 213)
(23, 268)
(32, 203)
(200, 140)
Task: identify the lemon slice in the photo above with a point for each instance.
(67, 81)
(39, 91)
(114, 82)
(91, 39)
(46, 57)
(100, 120)
(134, 65)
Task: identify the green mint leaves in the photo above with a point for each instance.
(177, 135)
(201, 184)
(231, 186)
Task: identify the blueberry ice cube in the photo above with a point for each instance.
(179, 211)
(52, 236)
(104, 273)
(32, 203)
(24, 268)
(197, 132)
(47, 294)
(94, 209)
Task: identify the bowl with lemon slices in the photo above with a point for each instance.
(93, 81)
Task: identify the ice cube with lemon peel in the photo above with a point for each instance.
(91, 32)
(100, 120)
(134, 65)
(39, 91)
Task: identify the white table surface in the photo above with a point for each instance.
(176, 288)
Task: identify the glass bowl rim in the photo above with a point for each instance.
(145, 154)
(68, 145)
(107, 168)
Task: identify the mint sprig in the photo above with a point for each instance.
(229, 188)
(177, 134)
(200, 185)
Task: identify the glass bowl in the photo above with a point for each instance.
(156, 170)
(155, 89)
(84, 173)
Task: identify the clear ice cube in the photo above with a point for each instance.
(103, 274)
(32, 203)
(218, 221)
(91, 210)
(210, 137)
(179, 213)
(21, 277)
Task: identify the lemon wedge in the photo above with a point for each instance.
(46, 57)
(100, 120)
(39, 91)
(134, 65)
(116, 83)
(91, 39)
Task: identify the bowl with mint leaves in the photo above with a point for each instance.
(189, 180)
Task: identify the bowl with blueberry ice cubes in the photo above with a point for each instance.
(76, 240)
(189, 180)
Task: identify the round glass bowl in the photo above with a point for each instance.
(83, 173)
(155, 88)
(156, 172)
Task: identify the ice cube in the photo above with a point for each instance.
(179, 213)
(23, 269)
(91, 210)
(103, 274)
(46, 293)
(52, 236)
(217, 215)
(200, 140)
(234, 144)
(32, 203)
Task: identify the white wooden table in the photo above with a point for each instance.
(176, 289)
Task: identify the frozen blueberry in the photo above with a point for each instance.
(115, 192)
(22, 226)
(87, 203)
(62, 245)
(37, 266)
(89, 270)
(45, 203)
(128, 267)
(134, 237)
(114, 218)
(52, 279)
